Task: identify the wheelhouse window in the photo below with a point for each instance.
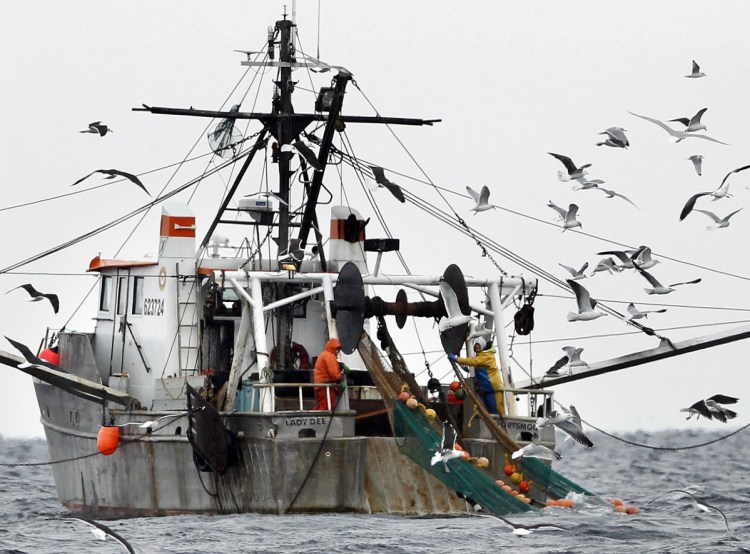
(138, 295)
(122, 295)
(105, 294)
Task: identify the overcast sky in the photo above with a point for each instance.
(510, 81)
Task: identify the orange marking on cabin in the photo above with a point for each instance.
(172, 226)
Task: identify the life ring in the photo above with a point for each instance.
(301, 357)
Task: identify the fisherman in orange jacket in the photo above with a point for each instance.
(329, 370)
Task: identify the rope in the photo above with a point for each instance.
(668, 448)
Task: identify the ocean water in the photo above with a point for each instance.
(717, 474)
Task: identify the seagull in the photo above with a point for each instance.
(575, 273)
(101, 531)
(694, 123)
(553, 371)
(573, 172)
(533, 450)
(677, 135)
(481, 199)
(520, 529)
(447, 450)
(658, 287)
(450, 301)
(568, 216)
(382, 180)
(635, 313)
(700, 504)
(697, 160)
(721, 192)
(643, 258)
(574, 357)
(97, 127)
(698, 409)
(606, 264)
(297, 253)
(611, 194)
(31, 359)
(306, 153)
(37, 296)
(568, 421)
(697, 73)
(626, 262)
(586, 304)
(111, 174)
(719, 222)
(615, 138)
(585, 184)
(717, 410)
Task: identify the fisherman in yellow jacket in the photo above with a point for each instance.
(489, 382)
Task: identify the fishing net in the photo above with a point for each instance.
(418, 440)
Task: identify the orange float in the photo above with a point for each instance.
(524, 486)
(107, 439)
(404, 397)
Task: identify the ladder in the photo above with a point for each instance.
(188, 336)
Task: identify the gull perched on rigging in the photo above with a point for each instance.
(696, 72)
(383, 181)
(447, 450)
(615, 138)
(635, 313)
(721, 192)
(568, 421)
(675, 134)
(697, 160)
(694, 123)
(572, 171)
(719, 222)
(658, 288)
(481, 199)
(450, 301)
(98, 128)
(569, 216)
(586, 304)
(101, 531)
(575, 274)
(37, 296)
(111, 174)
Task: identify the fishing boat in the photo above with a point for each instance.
(195, 393)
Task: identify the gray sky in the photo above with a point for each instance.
(511, 82)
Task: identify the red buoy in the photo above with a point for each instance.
(108, 439)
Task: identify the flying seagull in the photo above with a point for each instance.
(31, 359)
(559, 364)
(635, 313)
(719, 222)
(533, 450)
(447, 450)
(572, 171)
(694, 123)
(700, 504)
(37, 296)
(697, 160)
(525, 529)
(611, 194)
(625, 261)
(721, 192)
(572, 358)
(697, 409)
(569, 220)
(717, 410)
(696, 73)
(675, 134)
(575, 274)
(606, 264)
(450, 301)
(615, 138)
(481, 199)
(643, 258)
(585, 303)
(111, 174)
(97, 127)
(306, 153)
(568, 421)
(382, 180)
(658, 288)
(101, 531)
